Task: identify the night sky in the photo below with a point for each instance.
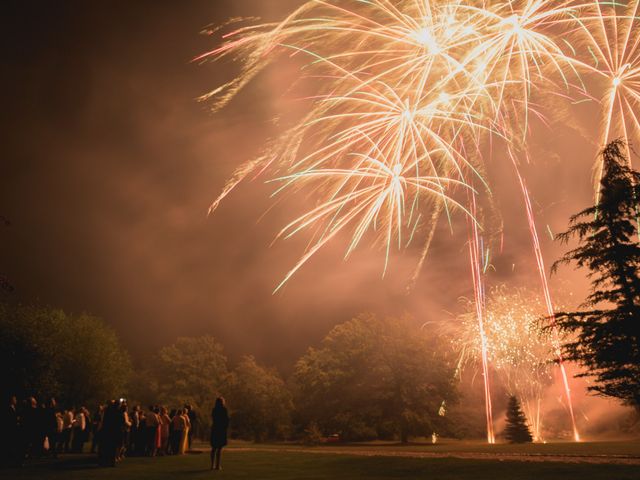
(109, 165)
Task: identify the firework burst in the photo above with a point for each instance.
(520, 353)
(407, 97)
(609, 41)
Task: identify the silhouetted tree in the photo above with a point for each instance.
(374, 378)
(517, 430)
(191, 371)
(260, 401)
(605, 332)
(47, 352)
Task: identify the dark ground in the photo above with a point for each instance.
(586, 461)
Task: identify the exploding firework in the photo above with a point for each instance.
(407, 98)
(609, 38)
(520, 353)
(405, 94)
(391, 133)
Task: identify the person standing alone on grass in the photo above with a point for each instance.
(219, 426)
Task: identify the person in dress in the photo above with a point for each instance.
(59, 438)
(158, 437)
(219, 426)
(193, 421)
(123, 441)
(178, 425)
(165, 422)
(184, 440)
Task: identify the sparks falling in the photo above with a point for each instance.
(514, 345)
(407, 97)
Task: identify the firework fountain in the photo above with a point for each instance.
(409, 99)
(511, 340)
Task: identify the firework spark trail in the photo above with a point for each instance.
(405, 94)
(613, 40)
(515, 346)
(547, 297)
(430, 78)
(433, 78)
(435, 217)
(475, 258)
(398, 126)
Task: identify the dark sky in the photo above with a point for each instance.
(109, 164)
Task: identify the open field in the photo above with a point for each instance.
(630, 448)
(361, 461)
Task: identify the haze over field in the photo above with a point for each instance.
(110, 164)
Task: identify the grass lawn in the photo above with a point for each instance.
(627, 448)
(310, 466)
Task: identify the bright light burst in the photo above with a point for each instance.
(407, 98)
(610, 34)
(520, 353)
(423, 85)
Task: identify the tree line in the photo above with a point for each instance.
(369, 378)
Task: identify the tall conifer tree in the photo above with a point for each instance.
(605, 332)
(517, 430)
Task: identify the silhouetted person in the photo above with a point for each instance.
(50, 424)
(78, 426)
(31, 428)
(10, 435)
(174, 432)
(41, 431)
(95, 428)
(67, 427)
(219, 426)
(110, 434)
(152, 422)
(86, 434)
(135, 436)
(123, 442)
(59, 428)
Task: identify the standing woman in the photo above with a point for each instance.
(165, 423)
(186, 425)
(175, 432)
(219, 426)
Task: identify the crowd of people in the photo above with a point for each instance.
(113, 431)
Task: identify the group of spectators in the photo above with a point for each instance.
(114, 431)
